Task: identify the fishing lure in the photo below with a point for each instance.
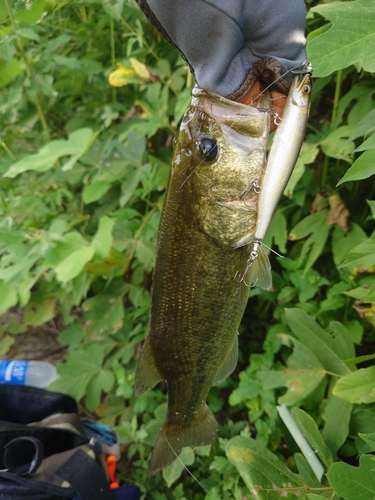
(281, 160)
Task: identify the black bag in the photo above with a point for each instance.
(44, 454)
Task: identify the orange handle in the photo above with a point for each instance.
(111, 463)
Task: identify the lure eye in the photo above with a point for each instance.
(209, 149)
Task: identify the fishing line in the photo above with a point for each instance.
(188, 177)
(186, 468)
(271, 250)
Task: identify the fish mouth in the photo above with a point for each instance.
(242, 203)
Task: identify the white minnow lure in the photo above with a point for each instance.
(281, 160)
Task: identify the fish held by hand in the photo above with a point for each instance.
(197, 305)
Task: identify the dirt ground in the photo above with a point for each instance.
(37, 343)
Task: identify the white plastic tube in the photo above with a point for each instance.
(301, 441)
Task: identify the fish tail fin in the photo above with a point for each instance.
(261, 270)
(172, 438)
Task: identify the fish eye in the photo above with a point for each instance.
(209, 149)
(306, 89)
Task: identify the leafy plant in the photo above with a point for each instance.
(83, 168)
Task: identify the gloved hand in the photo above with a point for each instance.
(231, 45)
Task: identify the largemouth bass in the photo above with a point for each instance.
(281, 160)
(197, 304)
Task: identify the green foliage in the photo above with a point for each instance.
(83, 169)
(349, 40)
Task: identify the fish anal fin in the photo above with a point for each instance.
(229, 363)
(147, 375)
(172, 438)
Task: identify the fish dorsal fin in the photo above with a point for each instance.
(229, 363)
(147, 375)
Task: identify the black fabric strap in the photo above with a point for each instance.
(23, 455)
(86, 477)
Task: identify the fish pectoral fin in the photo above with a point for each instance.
(147, 374)
(229, 363)
(261, 270)
(172, 438)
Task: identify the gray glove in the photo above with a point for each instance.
(231, 43)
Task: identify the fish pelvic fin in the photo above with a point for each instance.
(260, 270)
(229, 363)
(172, 438)
(147, 374)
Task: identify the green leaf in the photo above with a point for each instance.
(248, 388)
(360, 359)
(40, 310)
(316, 226)
(133, 148)
(72, 336)
(362, 168)
(74, 264)
(31, 15)
(183, 101)
(277, 232)
(337, 145)
(354, 483)
(336, 430)
(326, 348)
(305, 471)
(350, 40)
(29, 33)
(302, 377)
(72, 242)
(77, 371)
(371, 204)
(95, 191)
(176, 468)
(103, 314)
(342, 242)
(309, 429)
(8, 297)
(76, 145)
(8, 72)
(307, 155)
(357, 387)
(369, 439)
(362, 256)
(367, 144)
(343, 337)
(101, 381)
(266, 477)
(103, 238)
(3, 10)
(129, 185)
(364, 127)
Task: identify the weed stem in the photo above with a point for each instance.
(336, 100)
(113, 54)
(23, 55)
